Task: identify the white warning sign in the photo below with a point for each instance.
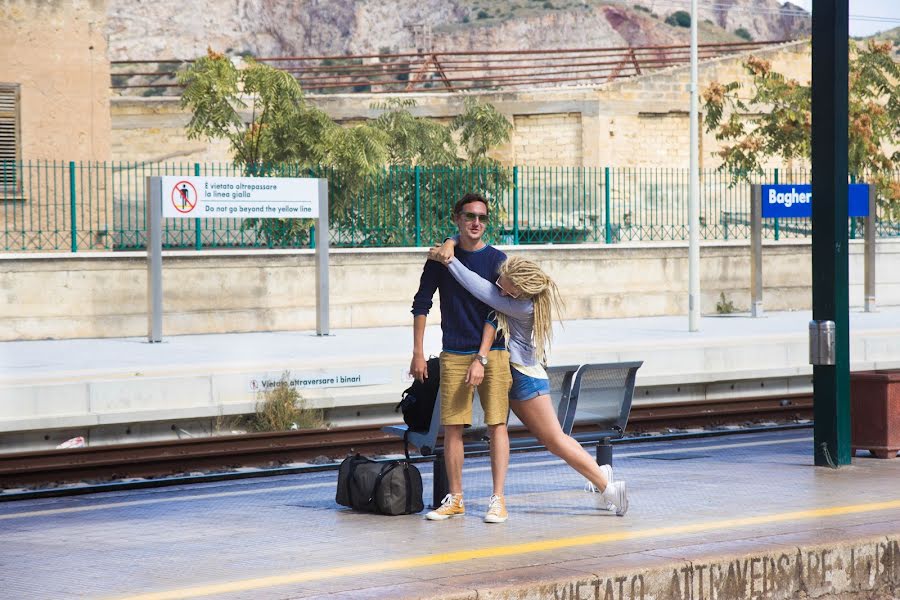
(240, 197)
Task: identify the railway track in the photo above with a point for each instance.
(225, 453)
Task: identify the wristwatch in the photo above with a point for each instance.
(482, 359)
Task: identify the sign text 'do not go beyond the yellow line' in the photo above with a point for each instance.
(240, 197)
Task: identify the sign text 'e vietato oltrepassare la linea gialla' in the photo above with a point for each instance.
(240, 197)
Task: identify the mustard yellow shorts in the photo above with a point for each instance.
(457, 395)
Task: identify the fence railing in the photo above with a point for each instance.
(442, 71)
(79, 206)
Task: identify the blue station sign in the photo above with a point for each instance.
(793, 200)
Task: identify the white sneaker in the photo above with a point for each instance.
(607, 471)
(451, 506)
(496, 510)
(617, 495)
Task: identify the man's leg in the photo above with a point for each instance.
(494, 395)
(453, 456)
(499, 456)
(456, 411)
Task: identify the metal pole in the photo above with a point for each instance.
(756, 286)
(198, 239)
(154, 259)
(831, 382)
(870, 252)
(322, 243)
(777, 226)
(606, 204)
(516, 206)
(416, 172)
(72, 218)
(694, 200)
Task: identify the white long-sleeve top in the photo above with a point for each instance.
(519, 312)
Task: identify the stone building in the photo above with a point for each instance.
(54, 106)
(54, 78)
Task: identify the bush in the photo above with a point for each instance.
(724, 306)
(483, 14)
(679, 18)
(641, 8)
(743, 33)
(548, 5)
(282, 408)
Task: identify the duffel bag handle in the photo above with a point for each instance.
(384, 471)
(355, 462)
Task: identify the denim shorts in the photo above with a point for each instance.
(525, 387)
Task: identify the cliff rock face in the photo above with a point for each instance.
(149, 29)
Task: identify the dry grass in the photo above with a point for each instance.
(281, 408)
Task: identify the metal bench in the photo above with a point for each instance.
(605, 389)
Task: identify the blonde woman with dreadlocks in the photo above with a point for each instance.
(526, 299)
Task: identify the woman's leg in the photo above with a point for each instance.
(538, 416)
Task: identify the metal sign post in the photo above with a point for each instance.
(154, 259)
(322, 242)
(233, 197)
(756, 287)
(869, 291)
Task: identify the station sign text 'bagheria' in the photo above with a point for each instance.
(240, 197)
(795, 200)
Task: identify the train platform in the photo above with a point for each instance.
(116, 390)
(730, 517)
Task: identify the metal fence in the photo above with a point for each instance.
(69, 206)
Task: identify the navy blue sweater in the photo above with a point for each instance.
(462, 315)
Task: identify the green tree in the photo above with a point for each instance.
(742, 32)
(273, 130)
(782, 116)
(679, 18)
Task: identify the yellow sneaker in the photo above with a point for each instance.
(496, 510)
(451, 506)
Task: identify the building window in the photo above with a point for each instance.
(9, 137)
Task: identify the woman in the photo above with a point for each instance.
(525, 299)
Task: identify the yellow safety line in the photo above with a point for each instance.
(508, 550)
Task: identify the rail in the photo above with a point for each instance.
(167, 458)
(444, 71)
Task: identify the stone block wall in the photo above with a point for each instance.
(552, 140)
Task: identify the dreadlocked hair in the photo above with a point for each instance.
(536, 285)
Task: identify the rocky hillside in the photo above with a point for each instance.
(148, 29)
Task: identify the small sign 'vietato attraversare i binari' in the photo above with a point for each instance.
(240, 197)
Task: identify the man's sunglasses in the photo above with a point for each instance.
(470, 216)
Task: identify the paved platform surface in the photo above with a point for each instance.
(739, 516)
(76, 384)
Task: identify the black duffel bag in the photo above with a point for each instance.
(388, 488)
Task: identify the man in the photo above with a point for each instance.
(470, 358)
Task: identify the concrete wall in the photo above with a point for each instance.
(56, 51)
(640, 122)
(105, 295)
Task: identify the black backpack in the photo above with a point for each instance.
(418, 400)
